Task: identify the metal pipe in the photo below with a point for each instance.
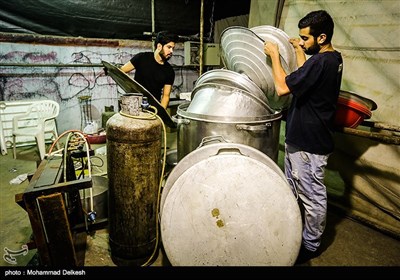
(49, 65)
(65, 65)
(59, 40)
(201, 37)
(153, 28)
(278, 13)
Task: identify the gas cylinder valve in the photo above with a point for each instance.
(92, 216)
(145, 103)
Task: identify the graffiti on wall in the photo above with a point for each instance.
(73, 77)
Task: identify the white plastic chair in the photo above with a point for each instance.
(36, 122)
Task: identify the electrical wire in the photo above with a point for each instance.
(86, 143)
(58, 139)
(80, 134)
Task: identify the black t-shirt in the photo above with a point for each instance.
(152, 75)
(315, 88)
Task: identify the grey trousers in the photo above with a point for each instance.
(305, 173)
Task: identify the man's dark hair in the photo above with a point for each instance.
(319, 22)
(164, 37)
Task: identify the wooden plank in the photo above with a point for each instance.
(57, 230)
(381, 125)
(47, 177)
(80, 239)
(38, 233)
(47, 174)
(380, 137)
(19, 199)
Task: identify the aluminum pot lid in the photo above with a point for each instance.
(222, 100)
(242, 51)
(229, 209)
(231, 78)
(278, 36)
(213, 149)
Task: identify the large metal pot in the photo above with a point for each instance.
(260, 132)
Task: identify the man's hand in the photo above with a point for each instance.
(271, 49)
(295, 43)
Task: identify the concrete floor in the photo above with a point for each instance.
(346, 242)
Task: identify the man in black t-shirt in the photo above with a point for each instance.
(315, 87)
(153, 71)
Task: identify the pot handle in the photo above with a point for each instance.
(212, 138)
(177, 120)
(256, 128)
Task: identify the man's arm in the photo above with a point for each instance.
(300, 55)
(127, 67)
(165, 95)
(278, 72)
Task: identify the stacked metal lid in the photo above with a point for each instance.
(245, 87)
(242, 51)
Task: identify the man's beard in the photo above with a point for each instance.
(314, 49)
(163, 56)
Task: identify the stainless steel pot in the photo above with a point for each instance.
(261, 133)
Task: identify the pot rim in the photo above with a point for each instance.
(232, 88)
(231, 78)
(181, 111)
